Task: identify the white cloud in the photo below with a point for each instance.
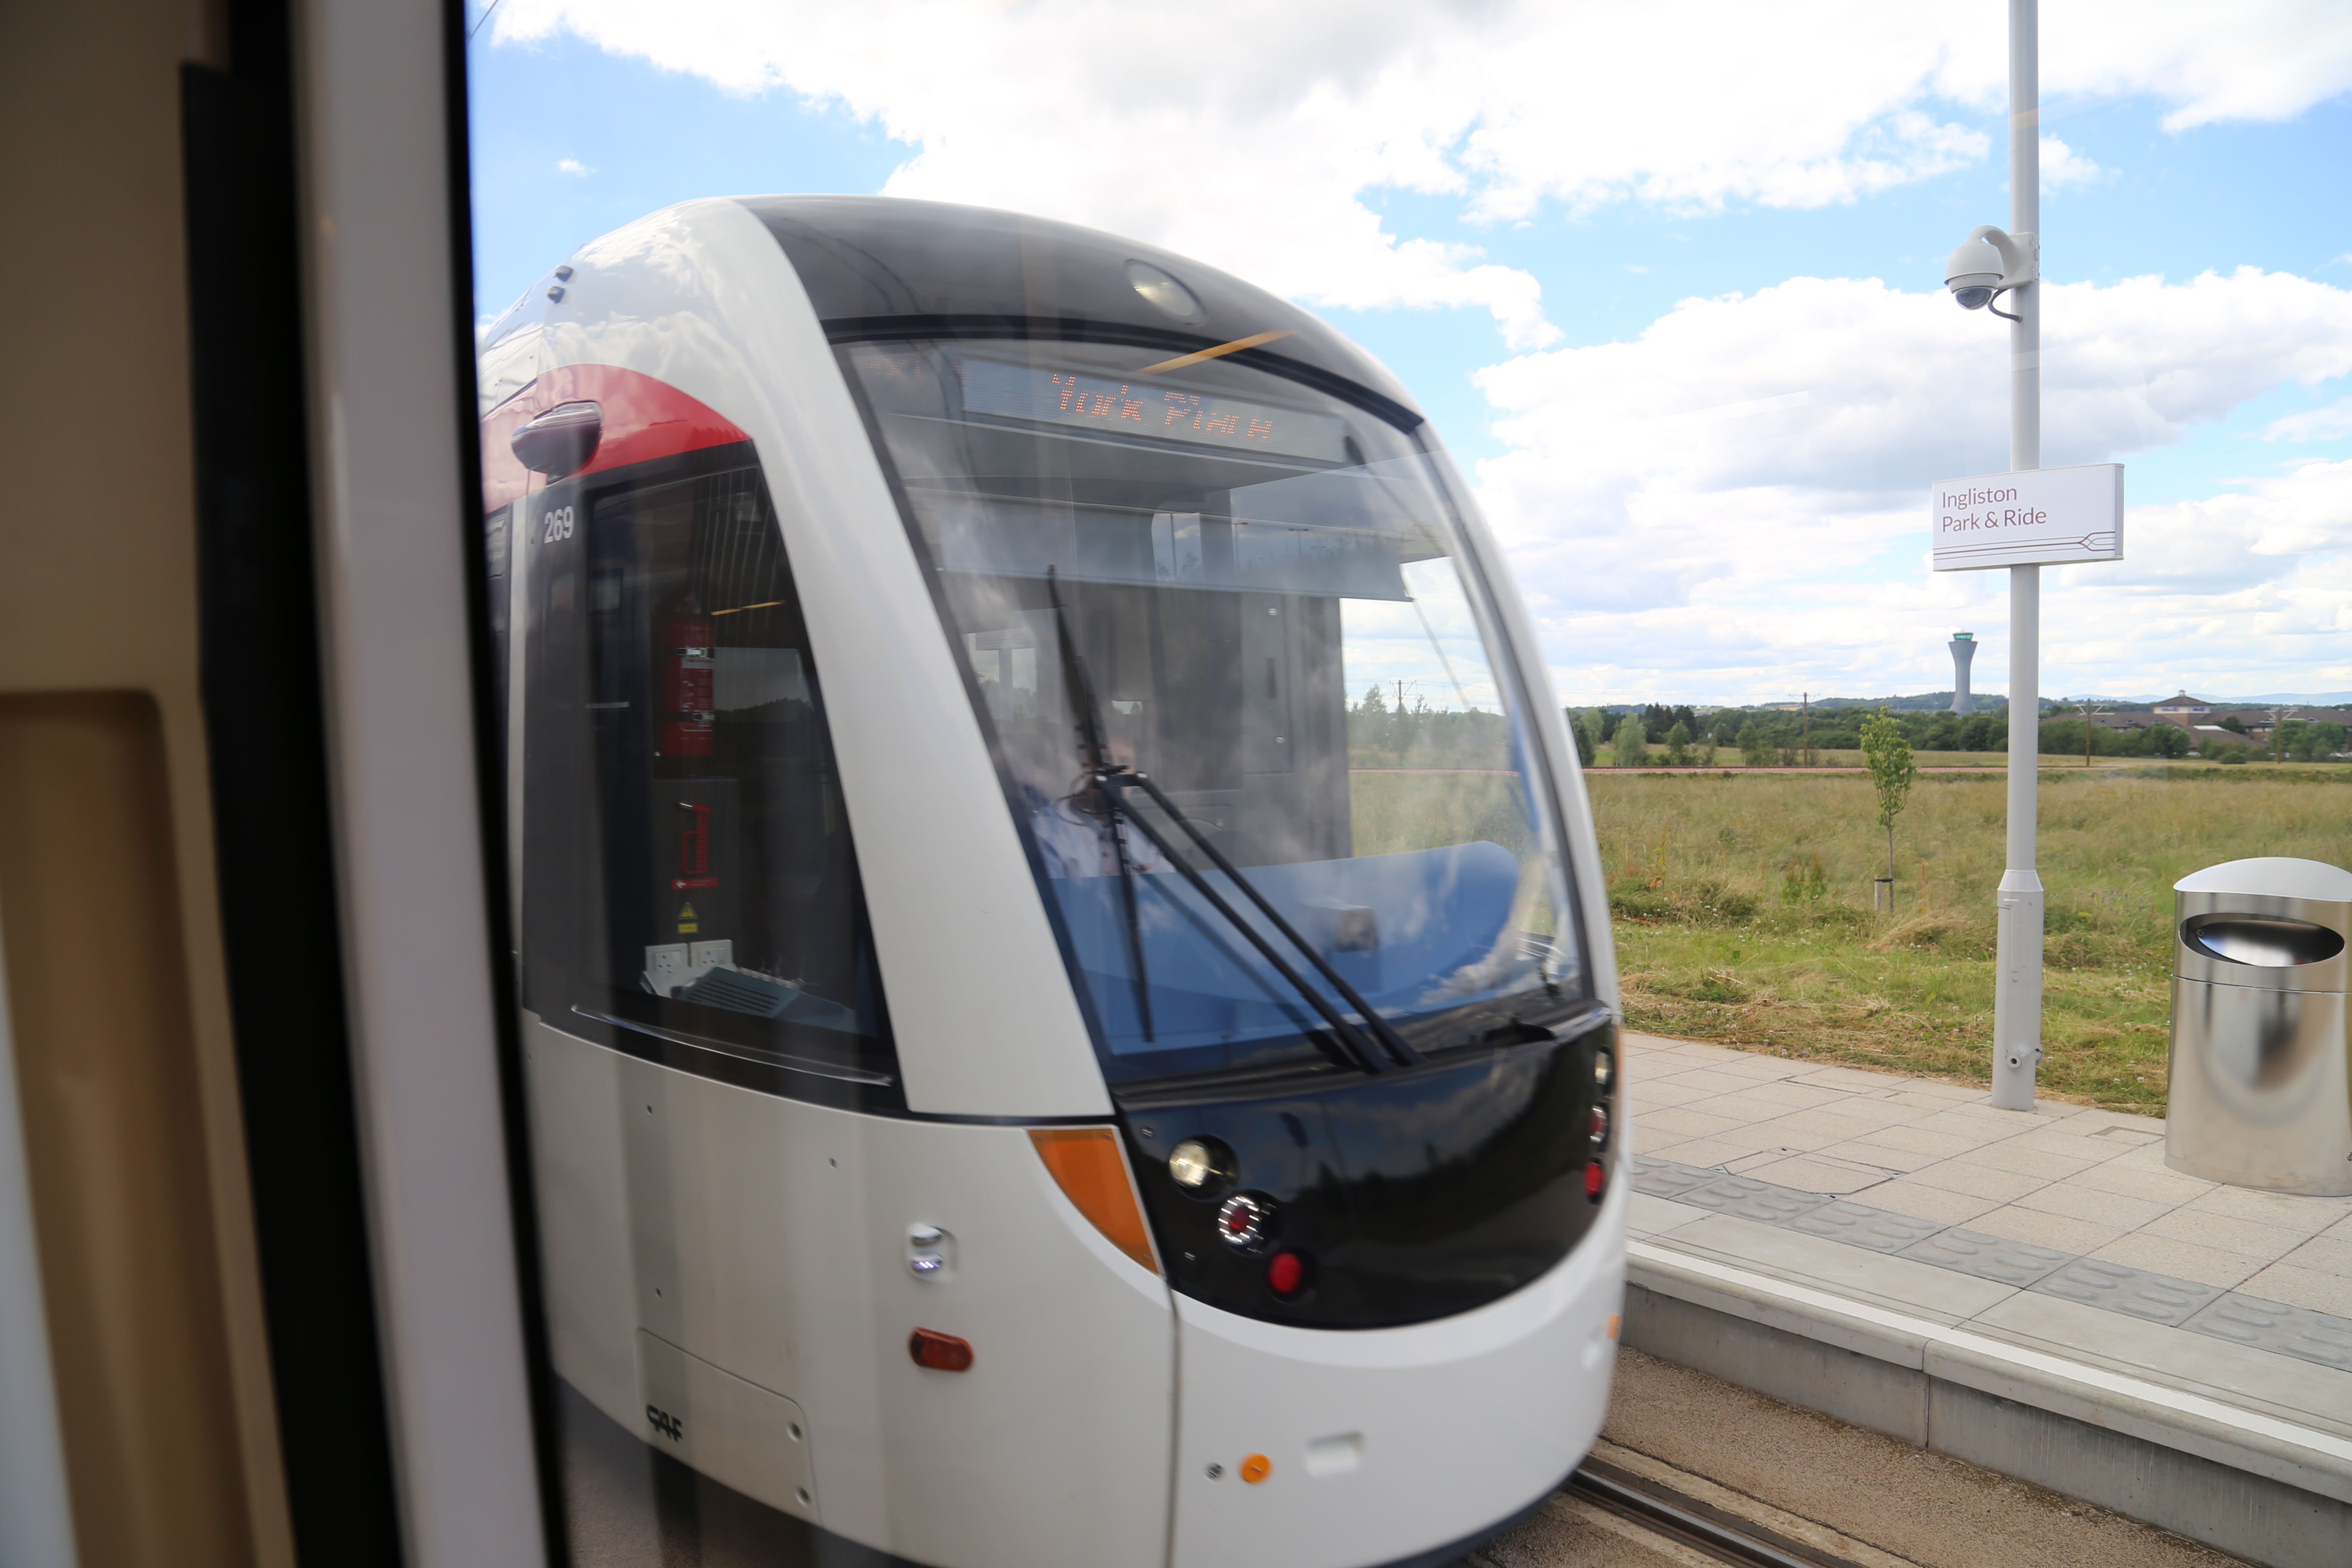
(1903, 388)
(1740, 490)
(1734, 494)
(1247, 134)
(572, 166)
(2062, 165)
(2331, 423)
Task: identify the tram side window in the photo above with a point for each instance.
(689, 871)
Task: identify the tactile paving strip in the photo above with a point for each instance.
(2275, 1326)
(1747, 1198)
(1992, 1257)
(1859, 1226)
(2317, 1337)
(2113, 1287)
(1665, 1179)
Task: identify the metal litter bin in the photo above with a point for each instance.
(2261, 1038)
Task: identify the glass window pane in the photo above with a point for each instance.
(689, 888)
(1258, 597)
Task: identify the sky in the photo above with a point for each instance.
(1666, 275)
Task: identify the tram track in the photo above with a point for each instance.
(1669, 1515)
(1697, 1524)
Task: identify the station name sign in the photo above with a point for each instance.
(2045, 517)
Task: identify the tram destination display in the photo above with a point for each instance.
(1142, 407)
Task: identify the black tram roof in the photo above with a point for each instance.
(883, 267)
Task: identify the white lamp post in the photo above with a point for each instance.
(1987, 264)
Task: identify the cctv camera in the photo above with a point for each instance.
(1973, 274)
(1986, 262)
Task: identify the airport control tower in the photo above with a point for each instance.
(1964, 648)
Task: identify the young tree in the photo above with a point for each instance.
(1579, 737)
(1679, 745)
(1632, 745)
(1595, 725)
(1887, 753)
(1755, 747)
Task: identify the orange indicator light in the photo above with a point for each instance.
(1088, 1165)
(1256, 1468)
(1615, 1322)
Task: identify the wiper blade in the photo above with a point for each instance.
(1393, 1043)
(1359, 1050)
(1082, 691)
(1108, 780)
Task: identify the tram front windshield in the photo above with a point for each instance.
(1258, 595)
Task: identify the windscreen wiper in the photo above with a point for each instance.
(1073, 672)
(1110, 780)
(1389, 1039)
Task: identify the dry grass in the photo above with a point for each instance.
(1742, 909)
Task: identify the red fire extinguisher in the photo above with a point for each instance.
(688, 671)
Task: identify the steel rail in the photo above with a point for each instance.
(1689, 1522)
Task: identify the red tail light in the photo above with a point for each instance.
(1595, 1178)
(1285, 1273)
(938, 1352)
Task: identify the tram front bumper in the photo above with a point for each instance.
(1374, 1446)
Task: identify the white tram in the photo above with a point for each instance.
(1067, 1005)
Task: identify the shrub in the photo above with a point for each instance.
(1803, 879)
(1678, 741)
(1755, 751)
(1721, 907)
(1640, 902)
(1630, 749)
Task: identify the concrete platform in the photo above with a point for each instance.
(2034, 1292)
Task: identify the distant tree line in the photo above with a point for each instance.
(1382, 735)
(1660, 734)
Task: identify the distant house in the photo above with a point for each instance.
(2185, 711)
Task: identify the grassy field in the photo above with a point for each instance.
(1742, 909)
(1742, 904)
(1728, 760)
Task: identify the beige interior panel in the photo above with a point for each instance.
(108, 906)
(98, 1002)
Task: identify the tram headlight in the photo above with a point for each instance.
(1165, 293)
(1201, 1166)
(1604, 1070)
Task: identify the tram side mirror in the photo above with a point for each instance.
(561, 441)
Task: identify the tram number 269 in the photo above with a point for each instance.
(557, 524)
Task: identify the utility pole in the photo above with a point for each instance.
(2017, 996)
(1806, 701)
(2089, 708)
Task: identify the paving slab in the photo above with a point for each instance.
(2216, 1368)
(1854, 1273)
(2060, 1232)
